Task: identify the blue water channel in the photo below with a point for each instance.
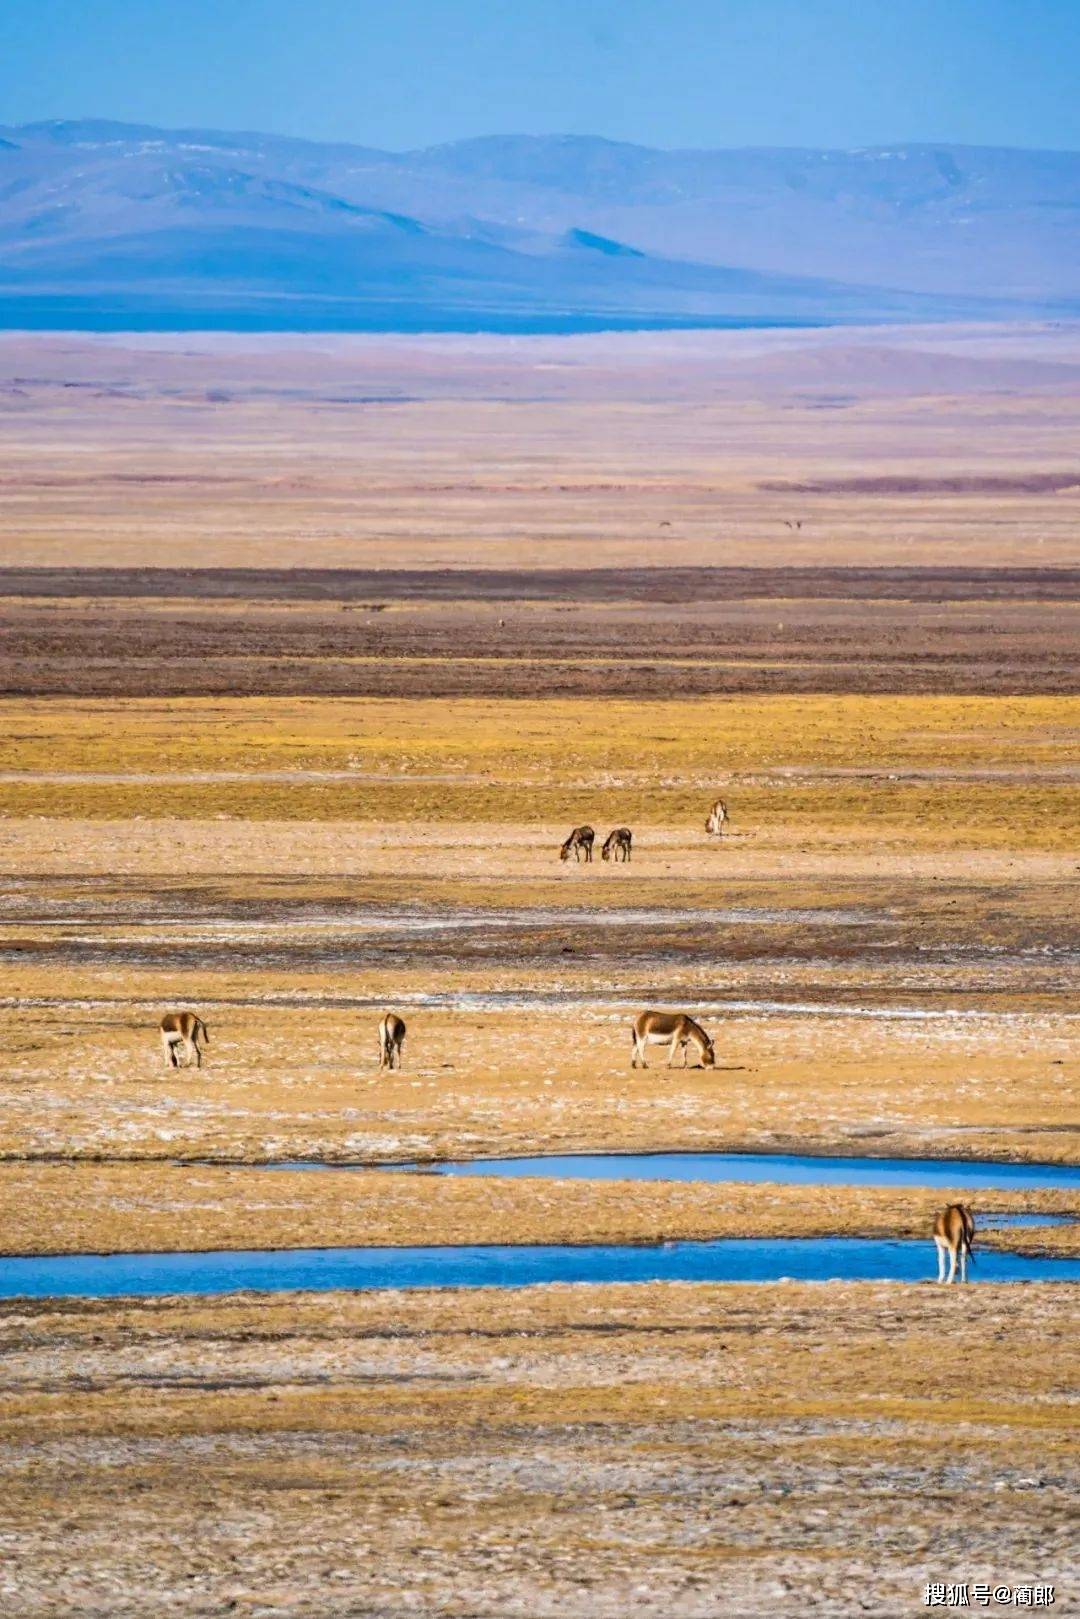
(476, 1265)
(807, 1259)
(785, 1168)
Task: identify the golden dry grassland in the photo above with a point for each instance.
(938, 770)
(885, 985)
(894, 980)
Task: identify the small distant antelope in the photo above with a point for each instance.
(676, 1031)
(954, 1228)
(617, 844)
(391, 1040)
(714, 826)
(182, 1029)
(580, 840)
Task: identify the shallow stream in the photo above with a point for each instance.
(809, 1259)
(789, 1169)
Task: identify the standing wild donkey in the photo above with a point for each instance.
(391, 1040)
(718, 815)
(580, 841)
(954, 1228)
(676, 1030)
(182, 1029)
(617, 844)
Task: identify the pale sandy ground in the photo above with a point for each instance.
(496, 857)
(532, 453)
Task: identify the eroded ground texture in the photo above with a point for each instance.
(558, 1451)
(311, 656)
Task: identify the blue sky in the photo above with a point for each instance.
(404, 73)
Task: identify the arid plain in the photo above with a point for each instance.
(312, 652)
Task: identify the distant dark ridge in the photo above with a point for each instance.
(547, 584)
(1018, 483)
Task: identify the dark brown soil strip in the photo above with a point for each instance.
(548, 584)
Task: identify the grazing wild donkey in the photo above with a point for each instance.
(954, 1228)
(714, 826)
(182, 1029)
(674, 1030)
(580, 841)
(391, 1040)
(617, 844)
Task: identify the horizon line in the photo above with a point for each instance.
(869, 148)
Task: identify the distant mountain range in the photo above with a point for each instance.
(119, 225)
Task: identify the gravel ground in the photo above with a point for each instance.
(669, 1450)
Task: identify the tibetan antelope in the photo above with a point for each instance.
(391, 1040)
(954, 1228)
(617, 844)
(579, 842)
(676, 1031)
(182, 1029)
(714, 826)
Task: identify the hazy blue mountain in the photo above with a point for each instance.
(141, 225)
(985, 221)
